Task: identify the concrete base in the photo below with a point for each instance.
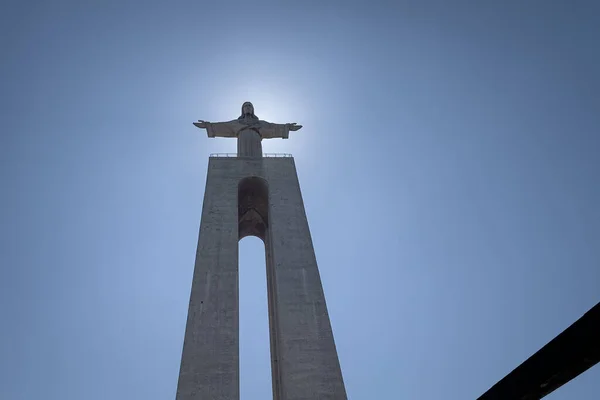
(260, 197)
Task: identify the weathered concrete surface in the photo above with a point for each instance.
(304, 358)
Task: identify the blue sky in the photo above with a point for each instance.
(448, 161)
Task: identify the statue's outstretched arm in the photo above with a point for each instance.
(270, 130)
(218, 129)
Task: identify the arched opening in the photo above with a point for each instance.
(253, 206)
(255, 358)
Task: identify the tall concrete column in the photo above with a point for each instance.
(305, 360)
(210, 361)
(252, 195)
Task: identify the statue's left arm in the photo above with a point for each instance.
(269, 130)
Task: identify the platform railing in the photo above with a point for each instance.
(234, 155)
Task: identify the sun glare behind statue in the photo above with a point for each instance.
(273, 103)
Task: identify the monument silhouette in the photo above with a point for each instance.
(248, 194)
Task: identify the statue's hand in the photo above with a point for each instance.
(201, 124)
(293, 126)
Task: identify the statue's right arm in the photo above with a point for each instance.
(217, 129)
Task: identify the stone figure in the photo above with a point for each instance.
(249, 130)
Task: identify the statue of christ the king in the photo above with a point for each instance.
(249, 131)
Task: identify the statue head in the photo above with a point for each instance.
(248, 110)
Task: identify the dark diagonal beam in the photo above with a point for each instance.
(565, 357)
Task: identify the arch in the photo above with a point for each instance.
(253, 207)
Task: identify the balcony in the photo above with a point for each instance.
(234, 155)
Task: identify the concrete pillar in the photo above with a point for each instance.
(305, 364)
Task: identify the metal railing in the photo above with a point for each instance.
(234, 155)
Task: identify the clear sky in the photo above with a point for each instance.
(449, 163)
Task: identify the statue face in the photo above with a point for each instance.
(247, 108)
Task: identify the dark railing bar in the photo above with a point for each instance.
(565, 357)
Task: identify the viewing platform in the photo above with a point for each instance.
(234, 155)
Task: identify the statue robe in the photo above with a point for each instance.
(249, 133)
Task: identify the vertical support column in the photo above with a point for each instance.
(210, 360)
(273, 323)
(305, 363)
